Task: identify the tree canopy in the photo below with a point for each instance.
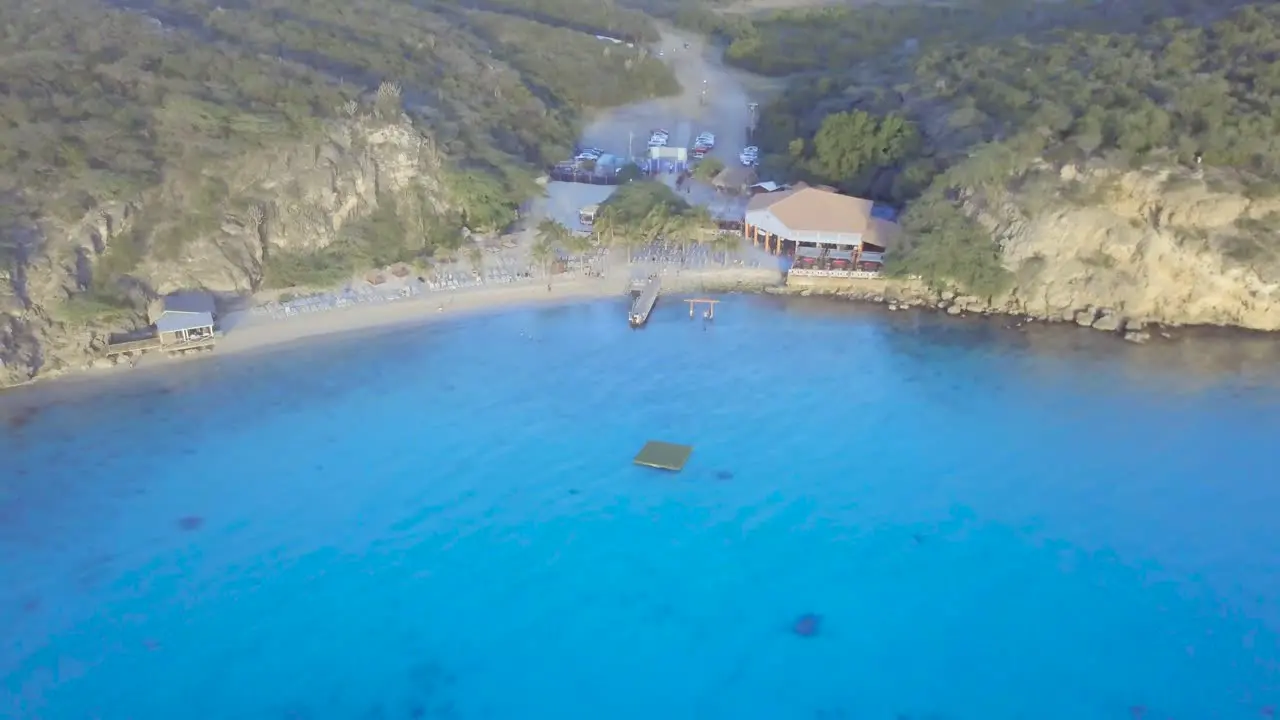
(1123, 85)
(101, 105)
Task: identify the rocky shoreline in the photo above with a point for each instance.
(904, 296)
(893, 295)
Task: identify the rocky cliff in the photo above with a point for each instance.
(1165, 247)
(1121, 251)
(292, 198)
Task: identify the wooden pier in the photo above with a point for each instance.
(645, 296)
(709, 313)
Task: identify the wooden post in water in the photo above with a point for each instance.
(709, 313)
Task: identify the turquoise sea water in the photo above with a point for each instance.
(444, 522)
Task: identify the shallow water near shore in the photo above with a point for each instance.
(444, 522)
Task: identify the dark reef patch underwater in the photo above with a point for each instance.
(992, 525)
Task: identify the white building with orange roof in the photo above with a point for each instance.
(826, 232)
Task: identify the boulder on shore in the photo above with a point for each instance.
(1107, 322)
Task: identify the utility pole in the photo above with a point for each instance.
(631, 136)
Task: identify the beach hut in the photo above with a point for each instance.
(765, 187)
(184, 317)
(734, 179)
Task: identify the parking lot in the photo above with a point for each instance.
(714, 99)
(563, 201)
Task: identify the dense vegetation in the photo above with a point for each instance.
(642, 212)
(602, 17)
(838, 38)
(960, 118)
(99, 104)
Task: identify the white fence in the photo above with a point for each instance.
(859, 274)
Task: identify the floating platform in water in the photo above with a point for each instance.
(664, 455)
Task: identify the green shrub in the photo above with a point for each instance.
(94, 307)
(321, 268)
(632, 202)
(947, 248)
(708, 168)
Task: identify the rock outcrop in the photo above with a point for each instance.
(1119, 252)
(296, 197)
(1141, 247)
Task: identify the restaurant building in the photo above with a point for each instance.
(828, 234)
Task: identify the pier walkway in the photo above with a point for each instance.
(645, 295)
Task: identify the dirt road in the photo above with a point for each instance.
(715, 98)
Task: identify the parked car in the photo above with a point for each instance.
(705, 138)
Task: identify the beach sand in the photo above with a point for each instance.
(242, 333)
(245, 333)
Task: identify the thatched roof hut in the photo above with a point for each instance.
(734, 179)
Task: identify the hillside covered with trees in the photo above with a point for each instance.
(270, 143)
(101, 105)
(932, 123)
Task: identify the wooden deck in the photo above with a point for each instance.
(137, 347)
(133, 346)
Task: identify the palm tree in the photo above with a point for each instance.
(606, 226)
(476, 257)
(578, 244)
(627, 237)
(727, 243)
(702, 225)
(543, 252)
(680, 229)
(553, 231)
(689, 227)
(551, 234)
(656, 224)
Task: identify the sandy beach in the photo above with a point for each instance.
(243, 333)
(726, 112)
